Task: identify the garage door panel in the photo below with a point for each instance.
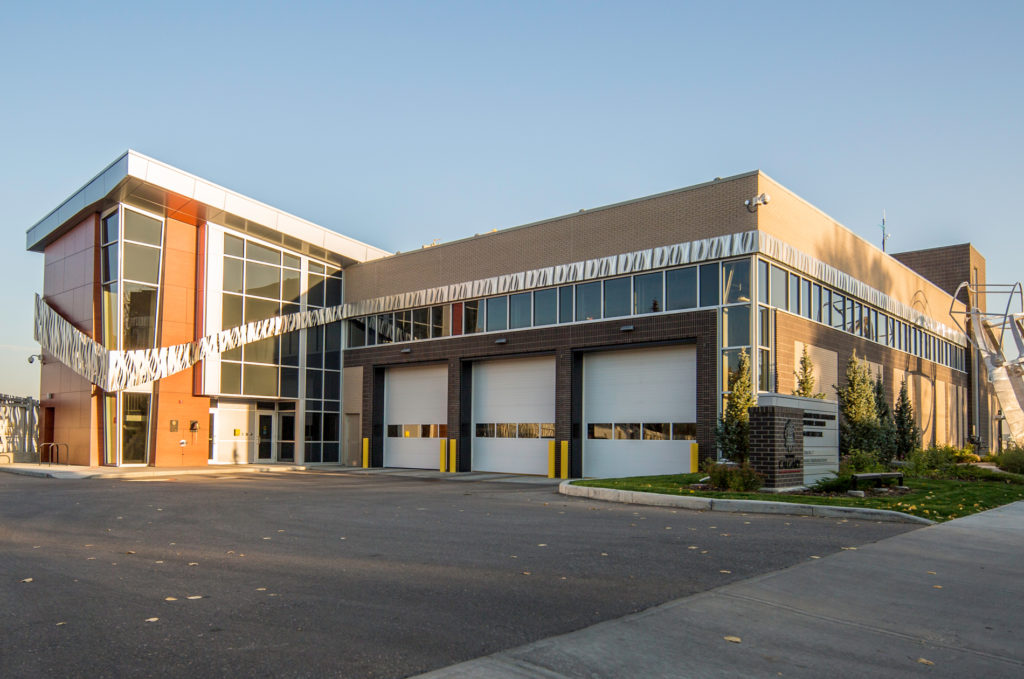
(414, 396)
(633, 387)
(513, 392)
(511, 456)
(611, 459)
(641, 385)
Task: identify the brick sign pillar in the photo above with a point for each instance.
(777, 445)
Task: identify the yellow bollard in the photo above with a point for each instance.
(444, 457)
(551, 459)
(565, 459)
(452, 466)
(366, 453)
(694, 460)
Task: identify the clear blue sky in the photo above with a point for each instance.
(400, 122)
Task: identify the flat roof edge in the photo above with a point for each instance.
(684, 189)
(168, 178)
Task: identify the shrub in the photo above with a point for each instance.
(858, 461)
(934, 462)
(971, 473)
(1011, 460)
(964, 455)
(858, 426)
(741, 478)
(907, 434)
(833, 484)
(733, 431)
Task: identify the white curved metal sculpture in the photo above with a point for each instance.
(117, 370)
(990, 333)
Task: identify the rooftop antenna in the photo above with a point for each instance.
(885, 236)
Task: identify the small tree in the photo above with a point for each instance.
(733, 433)
(858, 427)
(886, 426)
(805, 382)
(907, 435)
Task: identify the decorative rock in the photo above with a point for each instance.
(855, 493)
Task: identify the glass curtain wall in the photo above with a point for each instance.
(262, 281)
(736, 299)
(131, 264)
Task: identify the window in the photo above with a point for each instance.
(519, 308)
(440, 319)
(838, 311)
(681, 288)
(762, 281)
(421, 324)
(627, 431)
(684, 431)
(779, 288)
(497, 313)
(736, 282)
(545, 307)
(660, 431)
(473, 321)
(709, 284)
(794, 293)
(617, 297)
(565, 305)
(588, 301)
(599, 431)
(736, 326)
(647, 293)
(403, 326)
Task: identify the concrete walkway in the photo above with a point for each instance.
(941, 601)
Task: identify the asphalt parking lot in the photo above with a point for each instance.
(311, 575)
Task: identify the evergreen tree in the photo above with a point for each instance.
(805, 382)
(907, 436)
(858, 426)
(886, 426)
(733, 431)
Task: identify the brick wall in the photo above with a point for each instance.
(683, 215)
(790, 329)
(777, 445)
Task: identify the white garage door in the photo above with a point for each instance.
(513, 415)
(639, 411)
(415, 416)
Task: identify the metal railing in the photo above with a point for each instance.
(52, 447)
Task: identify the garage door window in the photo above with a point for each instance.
(627, 431)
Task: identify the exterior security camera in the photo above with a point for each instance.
(33, 357)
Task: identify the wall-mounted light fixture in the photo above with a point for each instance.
(37, 357)
(407, 350)
(626, 328)
(502, 340)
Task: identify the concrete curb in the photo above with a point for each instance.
(707, 504)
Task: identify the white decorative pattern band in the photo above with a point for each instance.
(781, 251)
(601, 267)
(117, 370)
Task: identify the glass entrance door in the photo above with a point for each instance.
(286, 437)
(264, 437)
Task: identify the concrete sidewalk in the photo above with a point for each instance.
(941, 601)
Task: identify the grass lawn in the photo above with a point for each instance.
(936, 499)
